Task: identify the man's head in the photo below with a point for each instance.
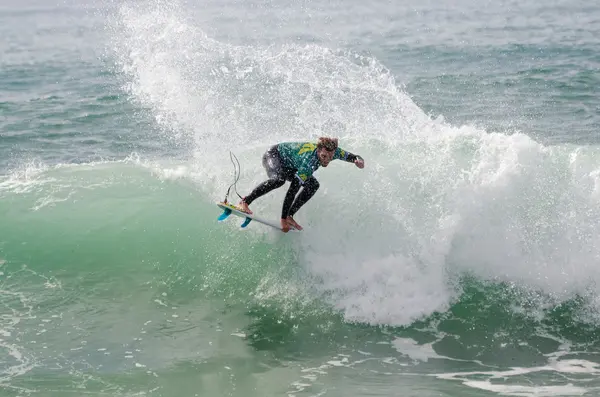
(326, 149)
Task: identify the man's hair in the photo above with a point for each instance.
(329, 144)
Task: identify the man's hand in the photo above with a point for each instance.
(360, 163)
(285, 227)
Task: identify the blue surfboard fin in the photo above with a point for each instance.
(246, 222)
(224, 215)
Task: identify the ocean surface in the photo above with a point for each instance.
(464, 260)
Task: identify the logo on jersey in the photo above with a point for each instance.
(307, 147)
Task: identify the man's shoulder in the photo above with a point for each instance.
(300, 147)
(296, 143)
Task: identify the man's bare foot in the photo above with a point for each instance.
(293, 223)
(244, 207)
(285, 227)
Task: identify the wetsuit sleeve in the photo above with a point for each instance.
(341, 154)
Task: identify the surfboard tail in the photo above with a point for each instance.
(229, 209)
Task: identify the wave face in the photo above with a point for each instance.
(434, 202)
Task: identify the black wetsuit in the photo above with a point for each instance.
(297, 167)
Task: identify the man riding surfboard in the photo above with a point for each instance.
(296, 162)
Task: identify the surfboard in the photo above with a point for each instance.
(229, 209)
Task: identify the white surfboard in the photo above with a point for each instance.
(229, 209)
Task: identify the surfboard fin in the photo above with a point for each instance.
(246, 222)
(224, 215)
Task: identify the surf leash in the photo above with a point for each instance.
(236, 173)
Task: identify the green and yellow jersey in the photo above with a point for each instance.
(302, 157)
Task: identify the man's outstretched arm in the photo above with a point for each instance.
(341, 154)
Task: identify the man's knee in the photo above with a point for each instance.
(277, 182)
(312, 184)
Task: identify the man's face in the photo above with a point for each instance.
(325, 156)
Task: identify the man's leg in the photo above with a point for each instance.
(261, 190)
(288, 201)
(272, 163)
(309, 189)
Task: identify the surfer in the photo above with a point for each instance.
(296, 162)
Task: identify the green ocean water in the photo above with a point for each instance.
(462, 261)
